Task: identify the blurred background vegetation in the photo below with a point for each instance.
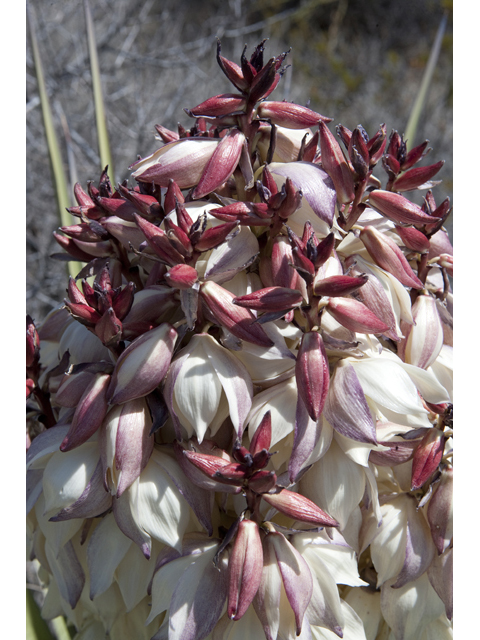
(358, 61)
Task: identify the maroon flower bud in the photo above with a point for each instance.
(181, 276)
(262, 481)
(215, 236)
(244, 565)
(221, 164)
(246, 213)
(83, 312)
(397, 208)
(231, 70)
(208, 464)
(270, 299)
(221, 105)
(427, 457)
(69, 245)
(263, 435)
(413, 239)
(376, 145)
(239, 321)
(298, 507)
(389, 256)
(290, 115)
(165, 134)
(143, 203)
(415, 178)
(158, 240)
(355, 316)
(415, 155)
(334, 163)
(312, 373)
(338, 285)
(143, 365)
(109, 328)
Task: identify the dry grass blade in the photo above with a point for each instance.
(102, 132)
(58, 171)
(421, 99)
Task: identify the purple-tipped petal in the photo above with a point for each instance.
(346, 407)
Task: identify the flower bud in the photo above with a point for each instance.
(417, 177)
(312, 373)
(181, 276)
(244, 565)
(143, 365)
(221, 164)
(221, 105)
(334, 163)
(389, 256)
(298, 507)
(397, 208)
(237, 320)
(290, 115)
(413, 239)
(338, 285)
(427, 457)
(355, 316)
(270, 299)
(183, 161)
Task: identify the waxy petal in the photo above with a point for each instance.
(346, 407)
(296, 576)
(89, 414)
(143, 365)
(270, 299)
(183, 161)
(440, 511)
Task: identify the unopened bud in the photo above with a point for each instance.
(290, 115)
(388, 255)
(312, 373)
(300, 508)
(355, 316)
(181, 276)
(221, 164)
(427, 457)
(334, 163)
(245, 569)
(397, 208)
(143, 365)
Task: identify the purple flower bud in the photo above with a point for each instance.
(143, 365)
(244, 564)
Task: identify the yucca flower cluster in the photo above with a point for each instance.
(240, 423)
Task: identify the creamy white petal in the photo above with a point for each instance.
(335, 483)
(409, 609)
(281, 401)
(387, 384)
(159, 508)
(366, 604)
(353, 629)
(67, 474)
(197, 390)
(388, 547)
(106, 548)
(134, 573)
(56, 533)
